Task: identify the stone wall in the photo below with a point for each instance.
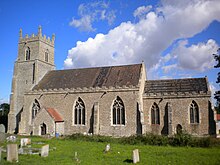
(180, 115)
(64, 103)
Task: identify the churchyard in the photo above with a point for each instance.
(100, 150)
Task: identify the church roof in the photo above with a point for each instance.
(176, 85)
(91, 77)
(54, 114)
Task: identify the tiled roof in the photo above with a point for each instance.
(91, 77)
(176, 85)
(54, 114)
(218, 117)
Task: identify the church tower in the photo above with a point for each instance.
(35, 59)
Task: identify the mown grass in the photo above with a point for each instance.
(91, 152)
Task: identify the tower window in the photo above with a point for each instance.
(155, 114)
(118, 112)
(27, 54)
(47, 55)
(79, 112)
(194, 112)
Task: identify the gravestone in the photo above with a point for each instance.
(107, 148)
(25, 141)
(2, 128)
(3, 136)
(0, 154)
(12, 153)
(45, 150)
(136, 156)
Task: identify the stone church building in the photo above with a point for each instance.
(112, 100)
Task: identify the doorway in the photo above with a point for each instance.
(179, 129)
(43, 129)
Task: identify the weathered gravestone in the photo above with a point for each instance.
(3, 136)
(45, 150)
(25, 141)
(136, 156)
(107, 148)
(2, 128)
(12, 153)
(0, 154)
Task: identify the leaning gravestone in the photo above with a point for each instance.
(136, 156)
(45, 150)
(2, 128)
(12, 152)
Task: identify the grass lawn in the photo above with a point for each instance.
(91, 153)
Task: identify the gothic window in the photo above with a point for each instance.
(155, 114)
(35, 108)
(27, 54)
(47, 55)
(79, 112)
(118, 112)
(194, 112)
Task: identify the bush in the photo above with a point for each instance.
(182, 139)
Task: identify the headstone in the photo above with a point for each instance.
(45, 150)
(25, 141)
(2, 128)
(3, 136)
(0, 154)
(12, 153)
(136, 156)
(107, 148)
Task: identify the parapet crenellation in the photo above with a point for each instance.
(37, 36)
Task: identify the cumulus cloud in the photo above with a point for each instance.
(150, 36)
(92, 12)
(196, 57)
(141, 11)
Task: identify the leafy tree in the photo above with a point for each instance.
(4, 109)
(217, 93)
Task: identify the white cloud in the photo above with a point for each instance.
(92, 12)
(196, 57)
(149, 37)
(213, 89)
(141, 11)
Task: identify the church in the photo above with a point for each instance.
(111, 101)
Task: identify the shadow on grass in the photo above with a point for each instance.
(128, 161)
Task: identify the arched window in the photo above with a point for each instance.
(118, 112)
(155, 114)
(47, 55)
(27, 54)
(35, 108)
(79, 112)
(194, 112)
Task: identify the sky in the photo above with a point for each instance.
(174, 38)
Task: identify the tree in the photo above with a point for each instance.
(4, 109)
(217, 93)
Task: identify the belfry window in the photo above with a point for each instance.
(47, 55)
(118, 112)
(155, 114)
(27, 54)
(194, 112)
(35, 108)
(79, 112)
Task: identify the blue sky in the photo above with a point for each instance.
(175, 39)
